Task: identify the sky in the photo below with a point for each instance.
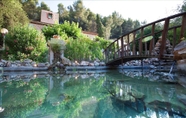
(141, 10)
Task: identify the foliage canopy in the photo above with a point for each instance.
(11, 13)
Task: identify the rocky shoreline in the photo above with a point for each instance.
(65, 64)
(29, 65)
(152, 64)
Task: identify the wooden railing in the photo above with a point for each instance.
(131, 45)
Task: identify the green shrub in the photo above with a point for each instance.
(78, 49)
(64, 30)
(24, 42)
(84, 48)
(78, 46)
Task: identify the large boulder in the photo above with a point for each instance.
(180, 51)
(180, 55)
(65, 61)
(84, 63)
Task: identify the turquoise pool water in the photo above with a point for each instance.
(95, 94)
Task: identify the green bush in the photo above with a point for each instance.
(78, 46)
(78, 49)
(24, 42)
(84, 48)
(64, 30)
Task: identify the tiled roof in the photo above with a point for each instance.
(90, 33)
(38, 25)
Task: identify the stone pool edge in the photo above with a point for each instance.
(71, 68)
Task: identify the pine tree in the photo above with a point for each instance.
(99, 26)
(11, 14)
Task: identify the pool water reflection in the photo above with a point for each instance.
(111, 94)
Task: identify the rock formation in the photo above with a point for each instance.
(65, 61)
(168, 47)
(180, 51)
(180, 55)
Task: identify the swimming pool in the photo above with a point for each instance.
(109, 94)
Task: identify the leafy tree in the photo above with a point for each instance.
(91, 21)
(64, 30)
(117, 19)
(25, 42)
(30, 7)
(33, 9)
(11, 13)
(182, 8)
(136, 24)
(127, 26)
(116, 30)
(63, 13)
(78, 14)
(111, 26)
(44, 6)
(99, 26)
(107, 23)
